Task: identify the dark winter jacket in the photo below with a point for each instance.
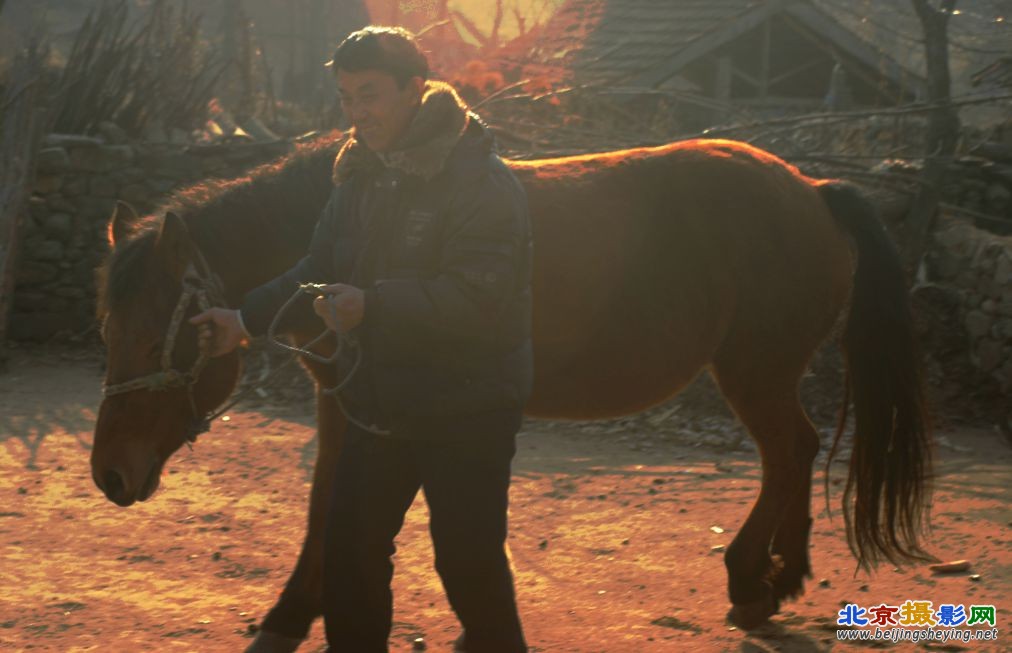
(438, 236)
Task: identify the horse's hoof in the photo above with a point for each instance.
(789, 586)
(268, 642)
(749, 616)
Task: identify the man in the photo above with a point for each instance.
(428, 236)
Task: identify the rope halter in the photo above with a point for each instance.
(202, 285)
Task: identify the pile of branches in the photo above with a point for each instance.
(539, 121)
(882, 148)
(155, 74)
(533, 119)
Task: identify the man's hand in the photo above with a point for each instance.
(227, 330)
(342, 307)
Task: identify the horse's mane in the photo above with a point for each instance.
(251, 198)
(278, 200)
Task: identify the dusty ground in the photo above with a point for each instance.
(612, 535)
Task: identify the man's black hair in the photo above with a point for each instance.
(392, 50)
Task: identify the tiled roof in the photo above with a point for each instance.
(612, 39)
(645, 42)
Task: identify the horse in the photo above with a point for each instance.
(650, 266)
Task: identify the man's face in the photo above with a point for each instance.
(377, 107)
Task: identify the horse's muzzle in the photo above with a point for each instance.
(115, 487)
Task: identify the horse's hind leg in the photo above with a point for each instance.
(790, 542)
(766, 401)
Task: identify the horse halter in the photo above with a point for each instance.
(200, 283)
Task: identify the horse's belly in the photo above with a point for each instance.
(615, 374)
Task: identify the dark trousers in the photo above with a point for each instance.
(466, 484)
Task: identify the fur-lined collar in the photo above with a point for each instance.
(432, 135)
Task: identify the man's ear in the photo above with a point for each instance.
(416, 86)
(122, 222)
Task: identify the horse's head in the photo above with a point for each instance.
(159, 381)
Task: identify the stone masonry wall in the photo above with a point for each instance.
(63, 235)
(977, 265)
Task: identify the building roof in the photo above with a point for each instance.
(626, 37)
(647, 42)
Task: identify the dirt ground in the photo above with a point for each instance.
(613, 535)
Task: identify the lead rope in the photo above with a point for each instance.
(343, 340)
(168, 377)
(200, 424)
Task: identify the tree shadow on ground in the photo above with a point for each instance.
(32, 429)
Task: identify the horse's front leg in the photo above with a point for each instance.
(288, 622)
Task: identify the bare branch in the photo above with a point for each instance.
(502, 91)
(496, 24)
(521, 21)
(18, 93)
(431, 26)
(471, 28)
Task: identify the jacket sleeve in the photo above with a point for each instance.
(261, 304)
(484, 258)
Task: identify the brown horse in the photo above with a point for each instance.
(650, 265)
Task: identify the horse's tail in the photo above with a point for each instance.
(887, 496)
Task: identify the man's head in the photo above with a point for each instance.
(381, 74)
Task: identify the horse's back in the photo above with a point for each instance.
(650, 262)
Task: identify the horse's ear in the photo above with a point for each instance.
(123, 219)
(173, 239)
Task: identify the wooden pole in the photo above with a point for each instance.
(943, 129)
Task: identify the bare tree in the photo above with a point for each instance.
(22, 121)
(238, 53)
(521, 21)
(471, 28)
(485, 41)
(496, 24)
(151, 74)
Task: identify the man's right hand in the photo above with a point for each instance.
(227, 332)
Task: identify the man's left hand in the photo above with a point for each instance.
(341, 306)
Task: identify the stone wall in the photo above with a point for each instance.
(976, 266)
(63, 234)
